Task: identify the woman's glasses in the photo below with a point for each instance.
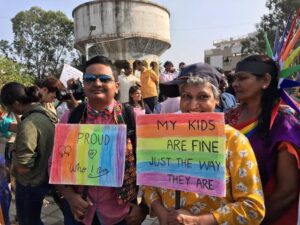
(90, 78)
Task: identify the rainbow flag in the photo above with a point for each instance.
(86, 154)
(182, 151)
(249, 129)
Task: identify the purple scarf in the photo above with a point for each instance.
(285, 128)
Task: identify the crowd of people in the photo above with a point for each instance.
(262, 144)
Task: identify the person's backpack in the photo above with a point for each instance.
(80, 113)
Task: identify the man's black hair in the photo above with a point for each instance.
(126, 65)
(168, 63)
(99, 59)
(139, 62)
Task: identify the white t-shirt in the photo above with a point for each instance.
(170, 105)
(167, 76)
(61, 109)
(125, 82)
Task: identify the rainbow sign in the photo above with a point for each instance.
(85, 154)
(182, 151)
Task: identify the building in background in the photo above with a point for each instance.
(226, 54)
(123, 30)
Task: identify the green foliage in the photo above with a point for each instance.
(5, 48)
(279, 11)
(12, 71)
(42, 40)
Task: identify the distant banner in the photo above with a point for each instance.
(182, 151)
(85, 154)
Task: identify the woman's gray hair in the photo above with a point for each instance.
(196, 80)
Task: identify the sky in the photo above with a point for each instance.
(194, 24)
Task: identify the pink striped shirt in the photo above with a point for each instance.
(104, 199)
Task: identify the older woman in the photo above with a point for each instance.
(243, 204)
(274, 137)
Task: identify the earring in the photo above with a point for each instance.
(264, 87)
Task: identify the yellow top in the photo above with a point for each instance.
(149, 82)
(244, 202)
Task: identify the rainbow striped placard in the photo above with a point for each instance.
(183, 152)
(86, 154)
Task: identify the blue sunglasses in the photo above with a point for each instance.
(90, 78)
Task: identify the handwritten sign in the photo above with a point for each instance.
(69, 72)
(85, 154)
(182, 151)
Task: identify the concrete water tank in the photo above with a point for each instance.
(122, 29)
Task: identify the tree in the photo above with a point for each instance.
(43, 40)
(5, 49)
(12, 71)
(279, 11)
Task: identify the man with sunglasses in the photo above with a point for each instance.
(102, 205)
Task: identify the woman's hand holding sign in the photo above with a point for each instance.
(184, 217)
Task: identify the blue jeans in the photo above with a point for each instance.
(5, 198)
(29, 202)
(68, 215)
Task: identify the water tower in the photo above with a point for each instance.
(122, 30)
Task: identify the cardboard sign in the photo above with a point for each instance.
(69, 72)
(182, 151)
(86, 154)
